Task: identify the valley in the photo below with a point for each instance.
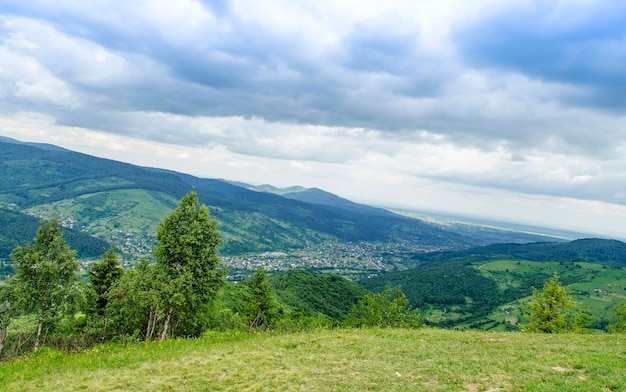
(459, 272)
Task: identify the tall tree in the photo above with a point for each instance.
(186, 252)
(261, 307)
(45, 272)
(552, 310)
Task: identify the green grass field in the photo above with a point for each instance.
(334, 360)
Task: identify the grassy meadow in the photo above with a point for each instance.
(334, 360)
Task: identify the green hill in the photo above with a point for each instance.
(100, 195)
(326, 294)
(593, 250)
(487, 287)
(334, 360)
(19, 229)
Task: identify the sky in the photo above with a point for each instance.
(505, 109)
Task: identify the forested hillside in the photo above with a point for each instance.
(327, 294)
(18, 229)
(487, 287)
(593, 250)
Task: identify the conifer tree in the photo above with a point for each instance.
(261, 307)
(552, 310)
(103, 275)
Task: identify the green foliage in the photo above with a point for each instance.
(387, 309)
(139, 302)
(327, 294)
(261, 309)
(300, 321)
(45, 274)
(103, 275)
(129, 302)
(593, 250)
(618, 320)
(186, 254)
(551, 310)
(453, 284)
(7, 311)
(174, 296)
(17, 228)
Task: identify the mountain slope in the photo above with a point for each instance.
(610, 252)
(17, 229)
(486, 287)
(100, 195)
(326, 294)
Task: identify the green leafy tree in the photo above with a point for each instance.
(186, 254)
(552, 310)
(7, 311)
(45, 272)
(261, 308)
(138, 302)
(618, 321)
(389, 308)
(103, 274)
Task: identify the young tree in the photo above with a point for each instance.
(186, 252)
(139, 301)
(261, 308)
(103, 275)
(552, 310)
(618, 321)
(390, 308)
(45, 272)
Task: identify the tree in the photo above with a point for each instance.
(261, 307)
(45, 272)
(186, 253)
(7, 310)
(390, 308)
(552, 310)
(103, 275)
(618, 321)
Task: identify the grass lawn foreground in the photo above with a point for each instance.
(334, 360)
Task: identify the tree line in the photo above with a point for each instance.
(179, 294)
(183, 293)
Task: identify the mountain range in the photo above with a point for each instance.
(122, 204)
(468, 276)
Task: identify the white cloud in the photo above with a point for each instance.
(424, 100)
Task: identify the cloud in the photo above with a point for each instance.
(578, 43)
(522, 96)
